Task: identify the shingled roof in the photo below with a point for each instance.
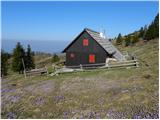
(104, 43)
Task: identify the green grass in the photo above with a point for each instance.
(119, 93)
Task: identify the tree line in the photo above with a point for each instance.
(144, 33)
(4, 62)
(20, 59)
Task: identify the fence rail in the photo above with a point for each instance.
(109, 65)
(102, 66)
(36, 71)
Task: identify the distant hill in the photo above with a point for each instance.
(146, 33)
(42, 46)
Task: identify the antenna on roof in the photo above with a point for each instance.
(102, 33)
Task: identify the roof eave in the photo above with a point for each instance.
(72, 42)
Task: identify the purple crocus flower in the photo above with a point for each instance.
(39, 101)
(14, 99)
(11, 115)
(59, 98)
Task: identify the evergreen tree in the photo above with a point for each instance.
(55, 58)
(119, 39)
(127, 40)
(135, 38)
(18, 55)
(4, 62)
(29, 60)
(141, 32)
(153, 29)
(145, 30)
(150, 33)
(156, 24)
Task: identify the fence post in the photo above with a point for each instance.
(53, 66)
(46, 70)
(137, 64)
(81, 67)
(24, 68)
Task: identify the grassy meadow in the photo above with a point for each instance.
(118, 93)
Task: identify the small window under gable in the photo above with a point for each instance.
(91, 58)
(85, 42)
(72, 55)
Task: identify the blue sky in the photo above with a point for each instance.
(62, 21)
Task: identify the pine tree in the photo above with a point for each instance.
(153, 29)
(4, 62)
(150, 32)
(141, 32)
(29, 60)
(135, 38)
(127, 40)
(55, 58)
(156, 24)
(145, 30)
(119, 39)
(18, 55)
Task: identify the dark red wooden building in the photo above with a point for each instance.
(89, 47)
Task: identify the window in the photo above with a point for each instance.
(72, 55)
(85, 42)
(91, 58)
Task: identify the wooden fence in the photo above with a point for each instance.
(90, 67)
(37, 71)
(128, 63)
(86, 67)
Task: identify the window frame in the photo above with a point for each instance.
(92, 58)
(85, 42)
(72, 55)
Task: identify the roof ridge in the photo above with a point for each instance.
(90, 30)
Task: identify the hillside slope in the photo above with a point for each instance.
(121, 93)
